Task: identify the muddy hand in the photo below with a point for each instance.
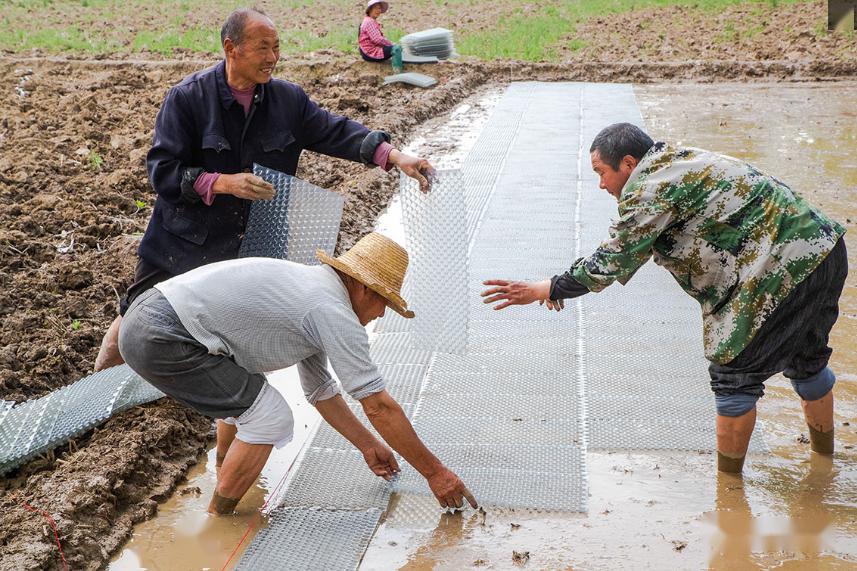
(381, 461)
(415, 167)
(515, 293)
(450, 491)
(243, 185)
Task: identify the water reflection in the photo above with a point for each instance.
(748, 541)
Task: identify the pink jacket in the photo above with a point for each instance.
(371, 39)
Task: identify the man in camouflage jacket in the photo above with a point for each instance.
(766, 267)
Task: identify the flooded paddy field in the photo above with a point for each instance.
(73, 174)
(647, 510)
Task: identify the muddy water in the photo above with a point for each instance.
(791, 510)
(184, 536)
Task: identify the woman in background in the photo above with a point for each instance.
(371, 41)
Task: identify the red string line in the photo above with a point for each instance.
(250, 525)
(47, 516)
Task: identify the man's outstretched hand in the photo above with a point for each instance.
(505, 293)
(449, 490)
(381, 461)
(415, 167)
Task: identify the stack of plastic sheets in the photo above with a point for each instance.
(435, 42)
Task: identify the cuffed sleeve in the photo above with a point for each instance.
(316, 381)
(190, 194)
(382, 156)
(369, 388)
(204, 186)
(371, 144)
(566, 287)
(336, 330)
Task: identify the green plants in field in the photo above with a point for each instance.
(488, 29)
(75, 324)
(95, 160)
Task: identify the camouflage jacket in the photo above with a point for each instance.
(735, 239)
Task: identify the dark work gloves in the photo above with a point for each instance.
(566, 287)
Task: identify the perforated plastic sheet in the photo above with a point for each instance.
(301, 539)
(412, 78)
(300, 218)
(506, 415)
(397, 348)
(437, 271)
(40, 425)
(334, 479)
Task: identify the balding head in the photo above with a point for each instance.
(235, 26)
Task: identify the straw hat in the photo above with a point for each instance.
(378, 263)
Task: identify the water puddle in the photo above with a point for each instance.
(184, 536)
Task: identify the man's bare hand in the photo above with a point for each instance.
(381, 461)
(516, 293)
(415, 167)
(243, 185)
(553, 304)
(449, 490)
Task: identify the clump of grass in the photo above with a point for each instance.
(343, 38)
(52, 39)
(95, 160)
(576, 44)
(519, 37)
(75, 324)
(140, 204)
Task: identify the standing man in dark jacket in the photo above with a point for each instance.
(210, 130)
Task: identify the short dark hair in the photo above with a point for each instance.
(233, 27)
(619, 140)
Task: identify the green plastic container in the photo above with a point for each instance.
(397, 59)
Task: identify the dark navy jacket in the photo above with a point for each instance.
(201, 127)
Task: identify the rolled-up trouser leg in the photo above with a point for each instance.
(735, 404)
(816, 386)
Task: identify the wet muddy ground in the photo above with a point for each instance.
(74, 199)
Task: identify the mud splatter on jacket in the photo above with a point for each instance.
(735, 239)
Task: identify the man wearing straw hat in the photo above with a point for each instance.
(206, 338)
